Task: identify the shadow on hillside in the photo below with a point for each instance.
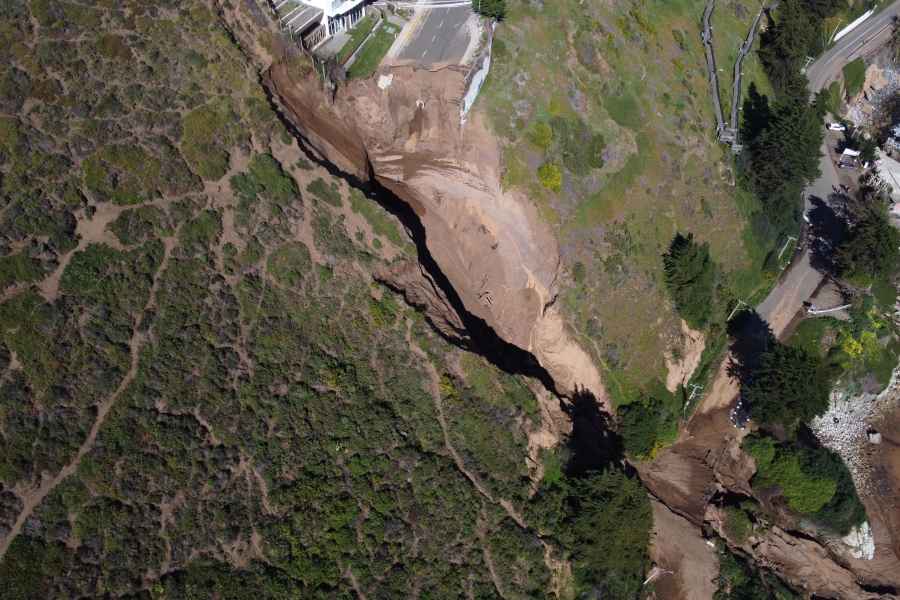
(593, 444)
(750, 334)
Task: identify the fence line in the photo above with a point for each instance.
(729, 135)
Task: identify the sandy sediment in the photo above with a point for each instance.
(500, 258)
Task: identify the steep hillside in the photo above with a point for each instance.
(210, 384)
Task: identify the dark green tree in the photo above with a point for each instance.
(610, 531)
(790, 385)
(690, 276)
(871, 245)
(639, 424)
(495, 9)
(784, 156)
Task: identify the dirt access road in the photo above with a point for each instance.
(706, 456)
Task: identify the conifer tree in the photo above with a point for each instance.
(495, 9)
(689, 276)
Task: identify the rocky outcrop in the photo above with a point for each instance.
(499, 258)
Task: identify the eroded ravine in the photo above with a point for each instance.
(490, 270)
(488, 251)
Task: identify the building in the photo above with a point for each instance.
(317, 20)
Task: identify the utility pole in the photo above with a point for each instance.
(736, 309)
(790, 237)
(688, 403)
(834, 32)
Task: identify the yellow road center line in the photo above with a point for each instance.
(415, 25)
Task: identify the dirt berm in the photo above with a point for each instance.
(499, 257)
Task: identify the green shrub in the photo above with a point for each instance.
(27, 566)
(329, 194)
(639, 425)
(379, 218)
(553, 108)
(737, 524)
(204, 132)
(815, 481)
(19, 268)
(289, 263)
(579, 271)
(383, 312)
(574, 143)
(549, 176)
(544, 134)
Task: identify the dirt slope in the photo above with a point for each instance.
(499, 257)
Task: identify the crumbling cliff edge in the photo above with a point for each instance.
(490, 245)
(494, 265)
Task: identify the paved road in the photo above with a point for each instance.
(856, 43)
(439, 38)
(785, 301)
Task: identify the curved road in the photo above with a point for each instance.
(856, 43)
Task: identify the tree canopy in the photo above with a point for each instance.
(871, 245)
(610, 530)
(495, 9)
(690, 277)
(790, 385)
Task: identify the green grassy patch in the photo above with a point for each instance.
(368, 60)
(833, 97)
(854, 76)
(358, 34)
(381, 222)
(329, 193)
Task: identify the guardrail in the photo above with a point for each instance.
(729, 135)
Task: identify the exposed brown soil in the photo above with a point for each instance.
(500, 258)
(690, 565)
(502, 262)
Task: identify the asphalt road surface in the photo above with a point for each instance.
(783, 307)
(801, 280)
(858, 42)
(438, 39)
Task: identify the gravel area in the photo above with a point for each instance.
(855, 111)
(845, 428)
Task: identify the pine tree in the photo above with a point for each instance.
(689, 276)
(871, 244)
(495, 9)
(789, 386)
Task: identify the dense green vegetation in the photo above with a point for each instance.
(783, 138)
(270, 421)
(737, 581)
(870, 247)
(610, 529)
(690, 276)
(645, 426)
(814, 481)
(790, 385)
